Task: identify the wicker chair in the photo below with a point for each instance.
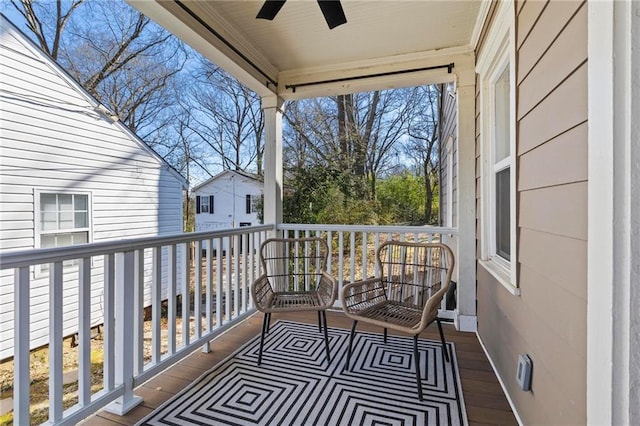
(411, 280)
(294, 279)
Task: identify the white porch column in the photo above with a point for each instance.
(272, 106)
(613, 280)
(465, 318)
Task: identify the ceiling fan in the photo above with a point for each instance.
(331, 9)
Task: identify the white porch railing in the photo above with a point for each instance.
(210, 298)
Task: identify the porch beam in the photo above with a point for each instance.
(385, 73)
(272, 107)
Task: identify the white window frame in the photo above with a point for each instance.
(37, 195)
(497, 54)
(204, 202)
(254, 202)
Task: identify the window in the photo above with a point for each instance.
(252, 203)
(63, 219)
(204, 204)
(497, 139)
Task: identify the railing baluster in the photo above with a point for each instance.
(219, 290)
(352, 255)
(186, 292)
(376, 244)
(55, 342)
(21, 334)
(109, 322)
(84, 332)
(209, 284)
(197, 297)
(229, 293)
(246, 248)
(252, 264)
(138, 308)
(330, 254)
(171, 298)
(237, 249)
(156, 304)
(365, 248)
(341, 258)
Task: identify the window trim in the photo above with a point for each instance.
(37, 220)
(249, 203)
(499, 53)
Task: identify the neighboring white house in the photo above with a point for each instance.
(70, 173)
(228, 200)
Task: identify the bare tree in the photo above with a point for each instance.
(356, 134)
(229, 118)
(423, 144)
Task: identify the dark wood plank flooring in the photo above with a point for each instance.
(483, 395)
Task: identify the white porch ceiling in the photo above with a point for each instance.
(297, 46)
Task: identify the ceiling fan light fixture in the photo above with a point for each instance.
(331, 9)
(270, 9)
(333, 13)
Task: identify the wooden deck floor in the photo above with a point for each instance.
(483, 396)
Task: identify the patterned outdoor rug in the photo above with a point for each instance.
(295, 385)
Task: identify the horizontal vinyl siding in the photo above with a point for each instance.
(449, 129)
(54, 140)
(548, 320)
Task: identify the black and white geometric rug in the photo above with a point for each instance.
(296, 386)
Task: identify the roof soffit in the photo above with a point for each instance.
(297, 45)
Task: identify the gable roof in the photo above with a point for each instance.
(7, 26)
(251, 176)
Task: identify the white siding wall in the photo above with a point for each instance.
(52, 139)
(229, 209)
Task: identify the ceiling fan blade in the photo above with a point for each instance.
(333, 13)
(270, 9)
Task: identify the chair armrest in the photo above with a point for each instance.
(360, 295)
(261, 292)
(431, 307)
(327, 290)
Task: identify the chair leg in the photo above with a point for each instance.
(416, 357)
(326, 335)
(353, 332)
(320, 321)
(385, 336)
(265, 322)
(268, 322)
(444, 344)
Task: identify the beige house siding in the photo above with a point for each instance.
(548, 320)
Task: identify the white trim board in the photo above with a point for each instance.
(614, 227)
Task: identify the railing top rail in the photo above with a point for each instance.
(367, 228)
(28, 257)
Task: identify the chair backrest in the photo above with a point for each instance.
(415, 274)
(294, 264)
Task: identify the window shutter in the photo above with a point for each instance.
(197, 204)
(248, 203)
(210, 204)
